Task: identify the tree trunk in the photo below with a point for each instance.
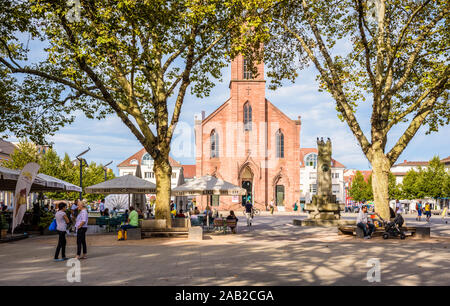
(163, 174)
(380, 183)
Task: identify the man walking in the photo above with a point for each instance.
(419, 210)
(249, 213)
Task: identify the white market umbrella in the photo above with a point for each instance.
(207, 185)
(123, 185)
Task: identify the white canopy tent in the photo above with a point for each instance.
(42, 183)
(123, 185)
(208, 185)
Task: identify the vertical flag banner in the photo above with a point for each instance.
(26, 179)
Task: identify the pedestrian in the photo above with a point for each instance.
(419, 210)
(81, 226)
(272, 207)
(398, 207)
(102, 207)
(444, 214)
(295, 206)
(61, 227)
(428, 211)
(249, 213)
(73, 215)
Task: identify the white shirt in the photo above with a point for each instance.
(362, 217)
(400, 208)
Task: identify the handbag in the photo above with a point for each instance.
(52, 226)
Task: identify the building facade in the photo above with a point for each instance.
(308, 176)
(142, 158)
(400, 169)
(249, 142)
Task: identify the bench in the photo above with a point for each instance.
(415, 231)
(224, 224)
(134, 233)
(159, 227)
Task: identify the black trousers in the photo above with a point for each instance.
(81, 240)
(61, 244)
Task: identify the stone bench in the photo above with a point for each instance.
(416, 232)
(180, 226)
(134, 234)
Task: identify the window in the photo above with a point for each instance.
(215, 200)
(311, 160)
(247, 72)
(214, 137)
(149, 175)
(335, 175)
(280, 144)
(247, 117)
(174, 175)
(313, 175)
(313, 188)
(133, 162)
(146, 159)
(335, 188)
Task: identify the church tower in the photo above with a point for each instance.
(249, 142)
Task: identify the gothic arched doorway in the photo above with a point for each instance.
(247, 184)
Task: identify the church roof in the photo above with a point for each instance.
(306, 151)
(138, 156)
(188, 171)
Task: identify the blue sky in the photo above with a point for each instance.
(110, 139)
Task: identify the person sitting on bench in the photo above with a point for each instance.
(232, 216)
(133, 222)
(180, 214)
(361, 222)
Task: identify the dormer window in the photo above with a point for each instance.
(133, 162)
(146, 159)
(311, 160)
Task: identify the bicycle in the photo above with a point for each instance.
(255, 212)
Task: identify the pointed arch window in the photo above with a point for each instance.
(279, 136)
(247, 117)
(247, 72)
(214, 138)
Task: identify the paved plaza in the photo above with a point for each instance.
(271, 252)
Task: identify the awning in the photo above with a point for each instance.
(208, 185)
(123, 184)
(42, 182)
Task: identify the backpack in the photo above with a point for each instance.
(52, 226)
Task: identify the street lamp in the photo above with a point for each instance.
(106, 169)
(81, 170)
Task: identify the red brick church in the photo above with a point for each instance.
(249, 142)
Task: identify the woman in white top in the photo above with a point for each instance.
(61, 226)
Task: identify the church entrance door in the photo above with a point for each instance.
(279, 193)
(247, 185)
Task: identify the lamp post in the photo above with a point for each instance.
(81, 170)
(106, 169)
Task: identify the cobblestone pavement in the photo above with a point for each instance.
(270, 252)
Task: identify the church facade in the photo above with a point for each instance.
(249, 142)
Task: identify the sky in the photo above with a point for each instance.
(110, 140)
